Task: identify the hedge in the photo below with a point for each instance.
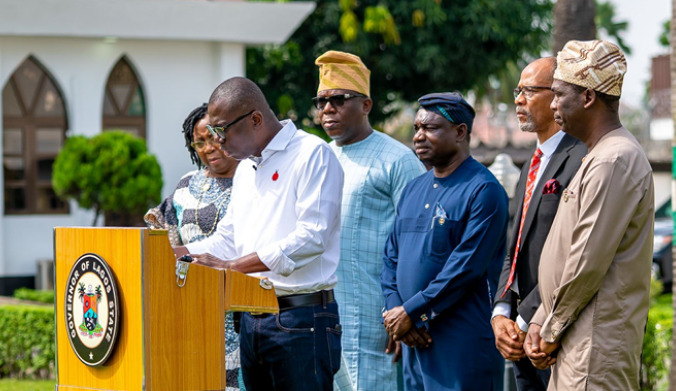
(27, 347)
(33, 295)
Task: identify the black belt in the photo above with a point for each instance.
(306, 299)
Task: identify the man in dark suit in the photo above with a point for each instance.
(543, 179)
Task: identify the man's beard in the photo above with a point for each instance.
(528, 125)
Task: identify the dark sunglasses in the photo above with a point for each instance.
(528, 91)
(335, 100)
(219, 131)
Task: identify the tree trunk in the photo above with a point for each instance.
(573, 20)
(672, 61)
(97, 213)
(123, 219)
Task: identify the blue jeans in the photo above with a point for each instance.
(296, 350)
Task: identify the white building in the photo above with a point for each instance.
(77, 67)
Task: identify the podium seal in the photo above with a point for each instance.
(92, 309)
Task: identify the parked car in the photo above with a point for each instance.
(662, 245)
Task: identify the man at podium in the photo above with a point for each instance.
(283, 224)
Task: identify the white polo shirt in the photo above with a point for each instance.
(287, 210)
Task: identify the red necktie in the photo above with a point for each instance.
(530, 184)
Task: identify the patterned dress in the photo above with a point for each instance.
(376, 171)
(190, 214)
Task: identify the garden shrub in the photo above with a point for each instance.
(656, 357)
(27, 346)
(33, 295)
(110, 172)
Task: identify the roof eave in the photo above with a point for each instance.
(222, 21)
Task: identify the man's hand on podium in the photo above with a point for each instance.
(180, 251)
(202, 259)
(210, 261)
(246, 264)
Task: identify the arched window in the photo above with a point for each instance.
(34, 125)
(124, 105)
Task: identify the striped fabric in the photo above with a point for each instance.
(345, 71)
(530, 184)
(376, 171)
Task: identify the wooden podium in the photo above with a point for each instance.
(169, 338)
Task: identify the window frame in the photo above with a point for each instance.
(110, 122)
(29, 124)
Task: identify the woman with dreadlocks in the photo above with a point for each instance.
(201, 198)
(199, 202)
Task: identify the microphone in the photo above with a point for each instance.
(255, 167)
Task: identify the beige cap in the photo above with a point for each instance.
(599, 65)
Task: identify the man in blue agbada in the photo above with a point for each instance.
(443, 258)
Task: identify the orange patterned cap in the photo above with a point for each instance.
(342, 71)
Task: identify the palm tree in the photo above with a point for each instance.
(611, 28)
(81, 290)
(573, 19)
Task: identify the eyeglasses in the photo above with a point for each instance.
(335, 100)
(528, 91)
(219, 131)
(200, 146)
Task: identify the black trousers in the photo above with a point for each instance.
(529, 378)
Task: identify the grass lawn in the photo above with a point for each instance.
(27, 385)
(663, 302)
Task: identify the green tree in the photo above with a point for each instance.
(601, 18)
(664, 35)
(605, 21)
(110, 172)
(412, 48)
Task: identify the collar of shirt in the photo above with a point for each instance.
(280, 141)
(358, 144)
(549, 146)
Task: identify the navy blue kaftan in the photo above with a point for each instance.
(442, 263)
